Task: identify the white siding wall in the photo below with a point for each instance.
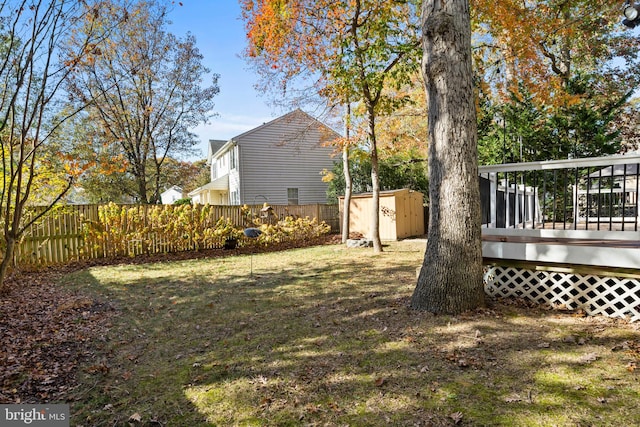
(198, 199)
(170, 196)
(222, 166)
(286, 153)
(234, 184)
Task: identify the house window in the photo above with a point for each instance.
(235, 198)
(292, 196)
(214, 170)
(232, 158)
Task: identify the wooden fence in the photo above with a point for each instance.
(59, 236)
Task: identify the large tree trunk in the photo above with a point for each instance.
(451, 277)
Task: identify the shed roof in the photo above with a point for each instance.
(385, 193)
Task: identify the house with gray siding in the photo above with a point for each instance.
(279, 162)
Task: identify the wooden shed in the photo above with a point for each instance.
(401, 214)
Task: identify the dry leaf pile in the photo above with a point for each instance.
(45, 334)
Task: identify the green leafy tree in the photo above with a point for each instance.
(395, 172)
(527, 131)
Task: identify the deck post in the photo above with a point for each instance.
(527, 206)
(507, 205)
(516, 208)
(575, 207)
(493, 192)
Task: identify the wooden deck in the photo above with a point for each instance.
(588, 258)
(601, 249)
(576, 211)
(563, 241)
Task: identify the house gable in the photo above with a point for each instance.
(284, 157)
(279, 162)
(170, 195)
(214, 146)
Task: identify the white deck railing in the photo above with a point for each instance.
(568, 233)
(578, 194)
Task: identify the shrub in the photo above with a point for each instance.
(146, 229)
(129, 231)
(290, 229)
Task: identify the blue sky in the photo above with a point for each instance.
(220, 37)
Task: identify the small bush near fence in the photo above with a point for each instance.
(83, 232)
(130, 231)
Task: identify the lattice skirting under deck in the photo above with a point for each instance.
(606, 295)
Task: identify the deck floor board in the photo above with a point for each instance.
(612, 243)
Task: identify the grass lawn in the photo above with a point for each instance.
(323, 336)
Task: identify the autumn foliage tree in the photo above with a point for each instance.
(144, 86)
(31, 77)
(568, 65)
(347, 50)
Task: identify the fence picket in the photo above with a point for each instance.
(59, 237)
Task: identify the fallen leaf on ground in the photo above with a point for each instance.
(456, 417)
(136, 418)
(588, 358)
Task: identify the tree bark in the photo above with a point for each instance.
(10, 245)
(451, 277)
(346, 210)
(375, 183)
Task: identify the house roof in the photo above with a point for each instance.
(214, 147)
(174, 188)
(224, 145)
(297, 112)
(220, 184)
